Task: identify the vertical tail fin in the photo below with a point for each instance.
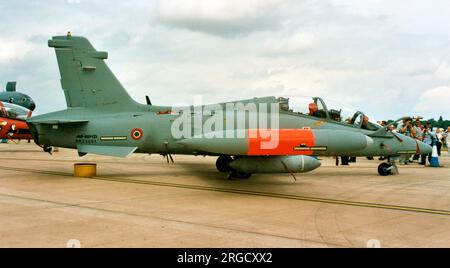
(85, 78)
(11, 87)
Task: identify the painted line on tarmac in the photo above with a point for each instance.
(283, 196)
(247, 192)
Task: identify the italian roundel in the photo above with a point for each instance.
(137, 134)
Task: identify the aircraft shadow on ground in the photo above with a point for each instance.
(207, 174)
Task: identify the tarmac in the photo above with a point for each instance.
(143, 201)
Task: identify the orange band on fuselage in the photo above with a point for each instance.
(269, 142)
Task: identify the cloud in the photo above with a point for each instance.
(225, 18)
(295, 43)
(443, 71)
(435, 100)
(14, 50)
(377, 55)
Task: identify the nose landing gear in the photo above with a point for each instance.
(385, 169)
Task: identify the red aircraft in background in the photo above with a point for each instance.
(13, 124)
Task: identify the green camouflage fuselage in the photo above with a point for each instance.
(102, 118)
(104, 128)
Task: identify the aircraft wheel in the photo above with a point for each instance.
(384, 169)
(222, 163)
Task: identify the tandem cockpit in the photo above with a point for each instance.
(316, 107)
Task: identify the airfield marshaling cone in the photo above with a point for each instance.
(85, 170)
(434, 161)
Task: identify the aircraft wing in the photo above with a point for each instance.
(119, 151)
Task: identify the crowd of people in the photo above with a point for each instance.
(414, 128)
(428, 134)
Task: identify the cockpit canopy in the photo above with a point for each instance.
(316, 107)
(13, 111)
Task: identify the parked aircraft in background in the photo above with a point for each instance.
(13, 124)
(14, 97)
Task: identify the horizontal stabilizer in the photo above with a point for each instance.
(119, 151)
(60, 122)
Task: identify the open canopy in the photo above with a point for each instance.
(330, 110)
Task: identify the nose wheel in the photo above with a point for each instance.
(386, 169)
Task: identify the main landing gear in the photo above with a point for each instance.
(389, 168)
(223, 165)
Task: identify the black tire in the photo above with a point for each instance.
(383, 169)
(222, 163)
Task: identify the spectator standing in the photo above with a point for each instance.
(407, 129)
(428, 137)
(383, 124)
(439, 140)
(447, 139)
(418, 129)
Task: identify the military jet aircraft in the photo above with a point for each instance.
(14, 97)
(260, 135)
(13, 124)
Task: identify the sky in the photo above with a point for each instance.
(386, 58)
